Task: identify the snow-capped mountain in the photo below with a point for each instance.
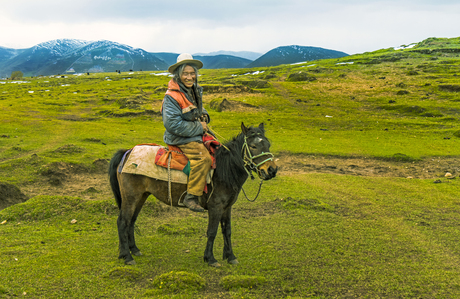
(60, 47)
(78, 56)
(63, 56)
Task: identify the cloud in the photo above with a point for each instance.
(353, 26)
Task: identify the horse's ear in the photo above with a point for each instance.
(261, 126)
(244, 129)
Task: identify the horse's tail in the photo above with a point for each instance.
(113, 168)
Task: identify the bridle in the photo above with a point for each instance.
(248, 159)
(250, 166)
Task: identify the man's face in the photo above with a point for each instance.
(188, 76)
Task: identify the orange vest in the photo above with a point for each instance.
(179, 96)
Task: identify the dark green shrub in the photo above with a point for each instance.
(178, 281)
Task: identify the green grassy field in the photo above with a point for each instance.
(309, 235)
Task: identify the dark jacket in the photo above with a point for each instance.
(181, 112)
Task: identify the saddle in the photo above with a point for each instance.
(166, 164)
(173, 157)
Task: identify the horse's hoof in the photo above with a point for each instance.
(137, 253)
(131, 262)
(234, 262)
(215, 265)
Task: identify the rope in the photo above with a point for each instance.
(258, 192)
(214, 137)
(226, 140)
(169, 180)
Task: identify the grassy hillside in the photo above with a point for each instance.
(321, 229)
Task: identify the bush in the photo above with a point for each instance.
(300, 76)
(127, 273)
(16, 75)
(176, 281)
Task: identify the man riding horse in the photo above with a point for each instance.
(185, 120)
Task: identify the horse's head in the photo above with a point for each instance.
(256, 152)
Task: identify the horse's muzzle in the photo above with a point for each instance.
(269, 171)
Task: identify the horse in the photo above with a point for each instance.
(236, 160)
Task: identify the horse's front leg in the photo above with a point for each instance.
(214, 215)
(226, 224)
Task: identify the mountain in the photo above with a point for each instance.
(209, 62)
(223, 61)
(7, 53)
(32, 60)
(293, 54)
(69, 56)
(63, 56)
(242, 54)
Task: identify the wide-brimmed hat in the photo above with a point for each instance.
(185, 58)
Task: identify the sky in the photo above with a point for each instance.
(203, 26)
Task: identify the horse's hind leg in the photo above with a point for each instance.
(123, 223)
(131, 238)
(131, 205)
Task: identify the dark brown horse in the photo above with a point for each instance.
(249, 151)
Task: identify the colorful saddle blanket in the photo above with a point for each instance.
(152, 161)
(141, 161)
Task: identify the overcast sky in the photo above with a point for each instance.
(354, 26)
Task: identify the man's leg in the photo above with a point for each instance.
(200, 164)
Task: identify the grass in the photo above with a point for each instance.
(341, 236)
(307, 236)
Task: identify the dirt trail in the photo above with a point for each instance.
(429, 168)
(67, 180)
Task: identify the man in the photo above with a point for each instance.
(185, 121)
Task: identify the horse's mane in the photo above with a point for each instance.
(229, 163)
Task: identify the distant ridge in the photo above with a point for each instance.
(63, 56)
(293, 54)
(242, 54)
(67, 55)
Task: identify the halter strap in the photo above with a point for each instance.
(248, 159)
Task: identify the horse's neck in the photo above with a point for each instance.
(230, 169)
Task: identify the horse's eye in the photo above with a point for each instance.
(253, 147)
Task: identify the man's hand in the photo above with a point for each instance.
(204, 125)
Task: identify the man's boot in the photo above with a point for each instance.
(191, 202)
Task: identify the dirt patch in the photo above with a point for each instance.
(91, 182)
(428, 168)
(64, 179)
(450, 88)
(226, 89)
(227, 105)
(10, 195)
